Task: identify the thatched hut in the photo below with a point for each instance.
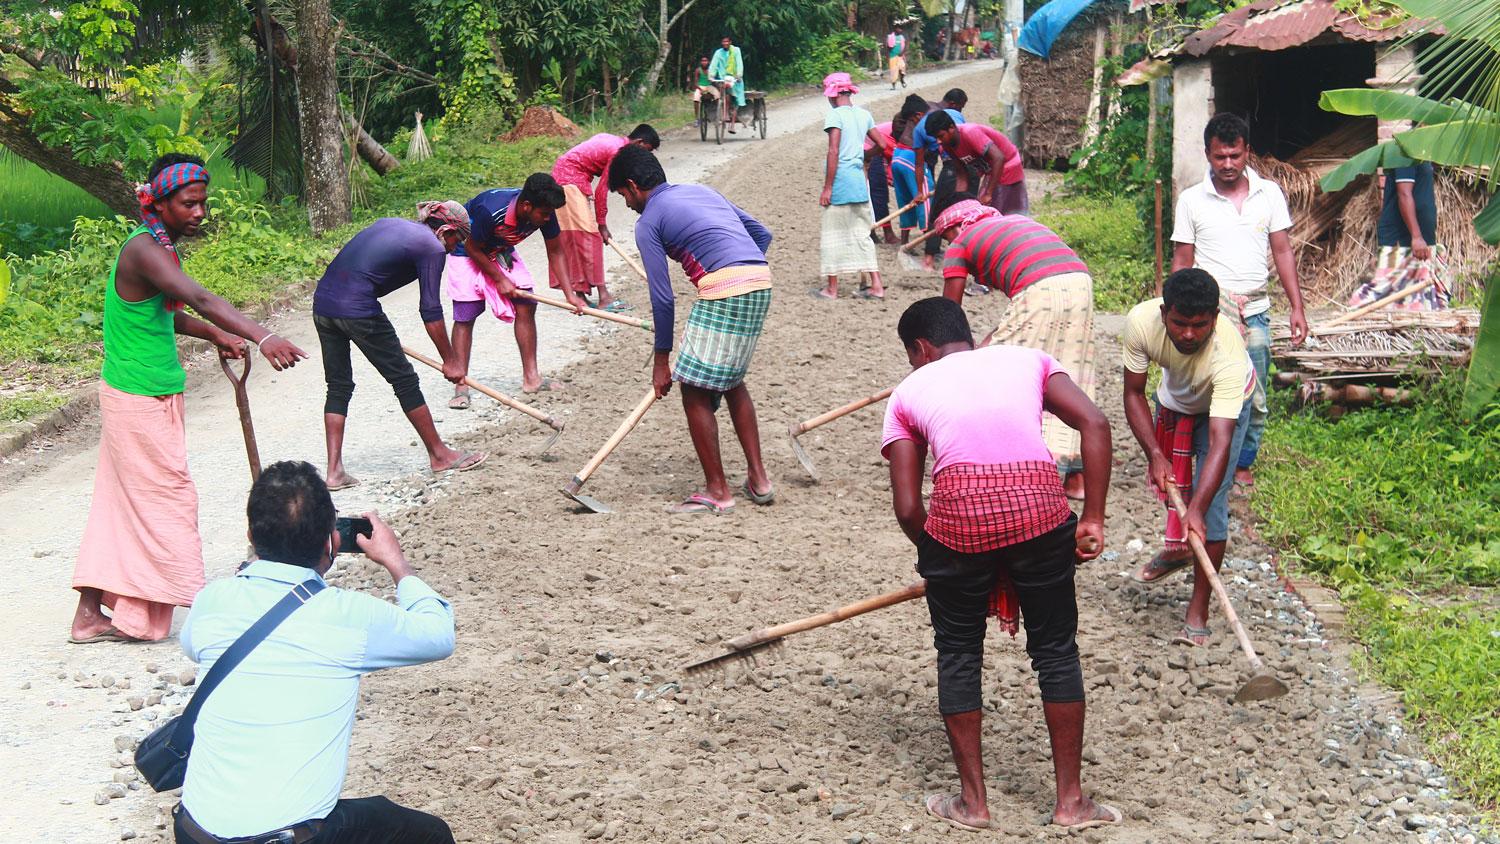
(1061, 91)
(1269, 62)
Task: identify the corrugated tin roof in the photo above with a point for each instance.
(1280, 24)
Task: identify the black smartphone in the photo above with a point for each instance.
(348, 526)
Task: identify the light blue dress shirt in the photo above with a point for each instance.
(271, 745)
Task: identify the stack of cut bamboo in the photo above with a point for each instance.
(1382, 348)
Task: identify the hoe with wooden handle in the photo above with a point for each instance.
(611, 316)
(800, 428)
(1264, 685)
(508, 401)
(571, 489)
(744, 647)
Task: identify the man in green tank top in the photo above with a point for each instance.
(141, 554)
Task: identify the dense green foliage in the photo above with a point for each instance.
(248, 254)
(1396, 506)
(1108, 235)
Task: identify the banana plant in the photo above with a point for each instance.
(1457, 126)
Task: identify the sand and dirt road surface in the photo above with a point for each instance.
(565, 715)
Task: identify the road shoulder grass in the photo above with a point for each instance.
(1396, 508)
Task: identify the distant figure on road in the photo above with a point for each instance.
(1227, 224)
(271, 744)
(895, 43)
(847, 215)
(141, 554)
(727, 69)
(383, 258)
(583, 173)
(723, 251)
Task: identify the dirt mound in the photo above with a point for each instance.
(542, 121)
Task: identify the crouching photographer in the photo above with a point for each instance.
(271, 743)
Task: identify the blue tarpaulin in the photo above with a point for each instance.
(1047, 23)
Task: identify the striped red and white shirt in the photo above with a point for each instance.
(1010, 253)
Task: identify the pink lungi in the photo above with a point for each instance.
(141, 546)
(463, 282)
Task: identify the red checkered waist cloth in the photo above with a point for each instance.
(980, 507)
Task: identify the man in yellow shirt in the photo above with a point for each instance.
(1202, 412)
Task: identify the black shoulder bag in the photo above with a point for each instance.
(162, 756)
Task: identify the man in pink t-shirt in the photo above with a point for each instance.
(998, 533)
(984, 150)
(583, 172)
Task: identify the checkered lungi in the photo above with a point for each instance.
(1056, 316)
(720, 339)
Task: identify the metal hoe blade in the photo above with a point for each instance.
(552, 440)
(802, 456)
(571, 490)
(1260, 687)
(747, 654)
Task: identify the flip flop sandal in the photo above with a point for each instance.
(468, 460)
(821, 293)
(699, 503)
(1115, 816)
(109, 634)
(352, 482)
(458, 402)
(1158, 568)
(947, 799)
(549, 385)
(617, 306)
(1190, 634)
(761, 498)
(864, 293)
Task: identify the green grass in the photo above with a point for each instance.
(1396, 507)
(1108, 235)
(20, 406)
(38, 208)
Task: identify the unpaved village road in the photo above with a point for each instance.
(564, 715)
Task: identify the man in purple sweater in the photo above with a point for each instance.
(723, 251)
(388, 255)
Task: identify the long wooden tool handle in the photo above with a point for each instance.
(492, 393)
(593, 312)
(816, 421)
(247, 425)
(912, 246)
(1375, 305)
(639, 270)
(898, 212)
(614, 439)
(823, 619)
(1206, 569)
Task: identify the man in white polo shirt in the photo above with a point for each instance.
(1227, 224)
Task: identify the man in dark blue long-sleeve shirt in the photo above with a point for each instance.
(723, 251)
(388, 255)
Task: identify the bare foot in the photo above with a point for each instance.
(341, 480)
(951, 808)
(1084, 814)
(890, 238)
(929, 262)
(548, 384)
(88, 620)
(1073, 486)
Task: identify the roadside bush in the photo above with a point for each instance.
(1105, 233)
(829, 54)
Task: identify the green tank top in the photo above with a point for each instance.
(140, 341)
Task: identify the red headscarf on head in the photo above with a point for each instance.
(171, 179)
(964, 214)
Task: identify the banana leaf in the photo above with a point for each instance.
(1483, 383)
(1386, 105)
(1386, 154)
(1487, 221)
(1460, 143)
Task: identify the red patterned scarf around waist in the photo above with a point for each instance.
(1174, 436)
(981, 507)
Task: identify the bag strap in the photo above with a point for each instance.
(236, 653)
